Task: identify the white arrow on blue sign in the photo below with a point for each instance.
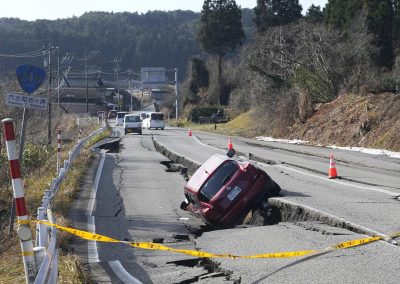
(18, 100)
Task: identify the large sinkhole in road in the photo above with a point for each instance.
(264, 214)
(272, 212)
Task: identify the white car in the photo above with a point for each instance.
(119, 119)
(132, 123)
(154, 120)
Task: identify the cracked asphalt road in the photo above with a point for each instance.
(138, 200)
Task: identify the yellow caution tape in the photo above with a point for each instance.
(27, 253)
(153, 246)
(24, 222)
(355, 243)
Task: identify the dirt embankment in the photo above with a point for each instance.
(351, 120)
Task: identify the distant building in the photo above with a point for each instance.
(159, 95)
(78, 95)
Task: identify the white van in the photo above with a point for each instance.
(154, 120)
(132, 123)
(119, 119)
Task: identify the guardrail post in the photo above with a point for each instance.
(58, 149)
(66, 164)
(40, 254)
(45, 201)
(61, 173)
(43, 229)
(24, 232)
(53, 183)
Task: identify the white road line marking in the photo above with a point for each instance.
(93, 194)
(381, 190)
(354, 225)
(122, 274)
(93, 254)
(391, 193)
(206, 145)
(377, 189)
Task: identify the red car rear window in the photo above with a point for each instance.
(206, 169)
(219, 178)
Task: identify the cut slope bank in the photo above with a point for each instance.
(352, 120)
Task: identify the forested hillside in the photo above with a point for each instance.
(298, 64)
(166, 39)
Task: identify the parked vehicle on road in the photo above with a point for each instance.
(119, 119)
(154, 120)
(132, 123)
(224, 189)
(112, 114)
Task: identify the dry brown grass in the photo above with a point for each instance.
(35, 182)
(353, 120)
(242, 125)
(73, 271)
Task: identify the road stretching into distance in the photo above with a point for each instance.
(138, 200)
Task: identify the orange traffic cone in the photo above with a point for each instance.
(230, 146)
(190, 132)
(332, 168)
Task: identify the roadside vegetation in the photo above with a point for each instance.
(315, 77)
(38, 169)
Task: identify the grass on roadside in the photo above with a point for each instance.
(71, 268)
(242, 125)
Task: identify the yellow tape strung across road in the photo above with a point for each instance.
(153, 246)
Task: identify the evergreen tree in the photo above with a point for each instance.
(220, 31)
(314, 14)
(339, 13)
(396, 23)
(263, 15)
(380, 21)
(270, 13)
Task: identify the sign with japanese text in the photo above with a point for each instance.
(18, 100)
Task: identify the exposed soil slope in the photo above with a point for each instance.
(351, 120)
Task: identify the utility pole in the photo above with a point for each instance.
(117, 60)
(49, 96)
(58, 75)
(129, 87)
(176, 94)
(87, 85)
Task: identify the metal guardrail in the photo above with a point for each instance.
(46, 252)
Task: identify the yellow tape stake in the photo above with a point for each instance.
(201, 254)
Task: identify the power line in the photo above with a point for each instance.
(35, 53)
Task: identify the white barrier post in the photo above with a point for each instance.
(40, 254)
(58, 149)
(43, 229)
(45, 201)
(24, 231)
(66, 164)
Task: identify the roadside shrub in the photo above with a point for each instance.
(35, 156)
(202, 111)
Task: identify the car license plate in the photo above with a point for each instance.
(234, 192)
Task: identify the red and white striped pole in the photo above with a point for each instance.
(58, 149)
(24, 231)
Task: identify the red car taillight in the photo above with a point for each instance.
(243, 166)
(205, 207)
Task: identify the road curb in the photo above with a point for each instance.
(290, 211)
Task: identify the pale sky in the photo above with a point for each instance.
(54, 9)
